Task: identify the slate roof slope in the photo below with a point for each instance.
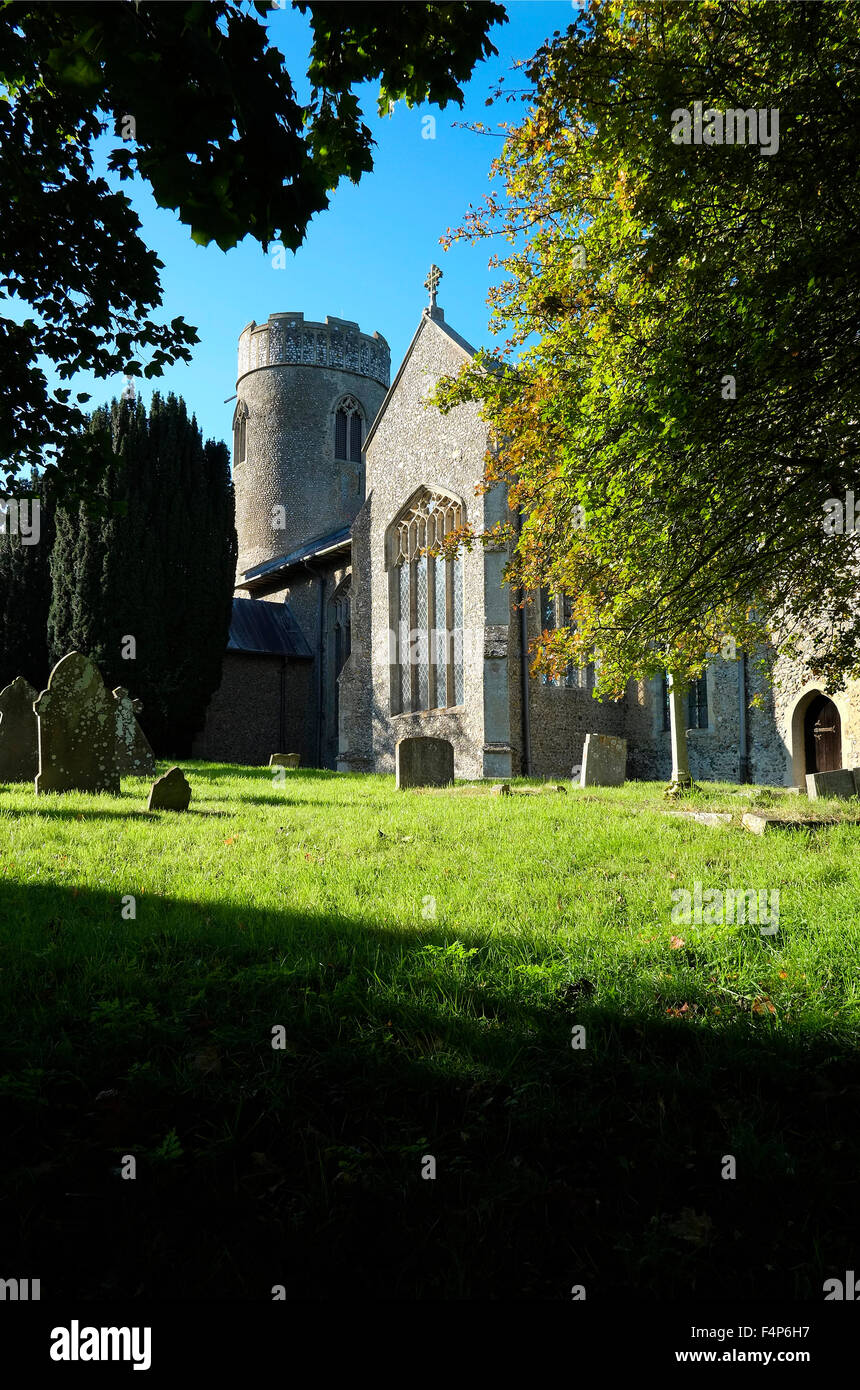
(335, 540)
(266, 628)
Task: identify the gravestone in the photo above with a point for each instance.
(292, 760)
(604, 761)
(19, 732)
(135, 758)
(711, 818)
(840, 783)
(77, 730)
(170, 793)
(424, 762)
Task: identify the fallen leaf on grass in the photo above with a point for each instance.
(692, 1226)
(676, 942)
(207, 1060)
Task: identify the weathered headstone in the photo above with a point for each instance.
(840, 783)
(604, 761)
(135, 758)
(424, 762)
(292, 760)
(77, 730)
(19, 732)
(170, 793)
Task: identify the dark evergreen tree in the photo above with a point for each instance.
(25, 586)
(143, 579)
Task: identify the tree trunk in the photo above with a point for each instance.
(681, 779)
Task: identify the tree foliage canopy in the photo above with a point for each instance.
(202, 108)
(683, 358)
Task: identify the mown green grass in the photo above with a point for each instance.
(308, 906)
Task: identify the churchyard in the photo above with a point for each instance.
(284, 1002)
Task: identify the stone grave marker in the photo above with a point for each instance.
(424, 762)
(77, 730)
(292, 760)
(840, 783)
(711, 818)
(19, 732)
(604, 761)
(135, 758)
(170, 792)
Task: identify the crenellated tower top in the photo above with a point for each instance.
(287, 339)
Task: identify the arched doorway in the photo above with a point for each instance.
(338, 645)
(822, 735)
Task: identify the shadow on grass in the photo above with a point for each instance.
(302, 1165)
(215, 772)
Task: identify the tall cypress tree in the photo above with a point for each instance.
(143, 582)
(25, 592)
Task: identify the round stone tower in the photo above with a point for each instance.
(307, 393)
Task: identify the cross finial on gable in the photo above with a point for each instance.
(432, 284)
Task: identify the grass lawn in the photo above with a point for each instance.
(427, 955)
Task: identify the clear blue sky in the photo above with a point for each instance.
(367, 256)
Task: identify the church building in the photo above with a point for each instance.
(346, 637)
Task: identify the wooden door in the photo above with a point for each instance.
(823, 736)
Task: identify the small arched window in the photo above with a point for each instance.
(697, 704)
(348, 430)
(555, 612)
(342, 624)
(426, 595)
(240, 419)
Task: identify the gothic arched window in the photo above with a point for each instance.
(240, 419)
(426, 596)
(348, 430)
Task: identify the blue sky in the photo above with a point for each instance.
(367, 256)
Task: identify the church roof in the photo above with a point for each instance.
(335, 540)
(436, 317)
(266, 628)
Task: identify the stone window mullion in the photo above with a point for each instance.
(449, 631)
(413, 629)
